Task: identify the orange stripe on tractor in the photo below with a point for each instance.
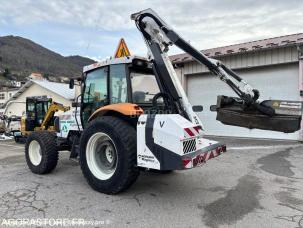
(127, 109)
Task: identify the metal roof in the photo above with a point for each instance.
(61, 89)
(276, 42)
(112, 61)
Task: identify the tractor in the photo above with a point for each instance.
(134, 115)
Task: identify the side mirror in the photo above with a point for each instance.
(71, 83)
(76, 104)
(197, 108)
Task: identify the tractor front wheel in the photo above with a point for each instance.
(41, 152)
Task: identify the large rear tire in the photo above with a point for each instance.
(108, 154)
(41, 152)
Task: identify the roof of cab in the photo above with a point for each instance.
(112, 61)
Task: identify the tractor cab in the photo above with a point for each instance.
(36, 108)
(122, 80)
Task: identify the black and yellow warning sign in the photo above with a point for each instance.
(122, 50)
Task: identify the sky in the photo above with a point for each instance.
(93, 28)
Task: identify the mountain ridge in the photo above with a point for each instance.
(19, 57)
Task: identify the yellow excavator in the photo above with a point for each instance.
(40, 115)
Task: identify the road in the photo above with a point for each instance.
(258, 183)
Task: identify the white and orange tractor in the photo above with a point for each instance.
(133, 114)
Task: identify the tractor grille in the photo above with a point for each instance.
(189, 146)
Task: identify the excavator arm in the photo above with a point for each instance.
(244, 110)
(53, 108)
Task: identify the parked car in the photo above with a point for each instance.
(11, 126)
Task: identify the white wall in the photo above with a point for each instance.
(273, 82)
(7, 95)
(18, 105)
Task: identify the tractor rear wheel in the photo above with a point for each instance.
(108, 154)
(41, 152)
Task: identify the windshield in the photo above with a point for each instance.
(144, 87)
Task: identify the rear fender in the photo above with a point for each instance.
(125, 109)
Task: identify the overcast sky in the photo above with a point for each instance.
(93, 27)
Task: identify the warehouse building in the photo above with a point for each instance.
(274, 66)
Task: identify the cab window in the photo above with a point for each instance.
(95, 92)
(42, 108)
(118, 84)
(144, 87)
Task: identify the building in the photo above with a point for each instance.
(10, 84)
(35, 76)
(16, 83)
(274, 66)
(59, 92)
(6, 93)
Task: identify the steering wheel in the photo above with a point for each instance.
(166, 98)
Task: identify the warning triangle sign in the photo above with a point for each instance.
(122, 50)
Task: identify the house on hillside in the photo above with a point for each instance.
(59, 92)
(6, 93)
(35, 76)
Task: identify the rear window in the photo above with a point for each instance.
(144, 87)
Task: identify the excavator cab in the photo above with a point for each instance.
(36, 109)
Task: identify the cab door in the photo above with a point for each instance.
(31, 116)
(119, 89)
(95, 92)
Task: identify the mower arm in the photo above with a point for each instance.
(170, 37)
(244, 111)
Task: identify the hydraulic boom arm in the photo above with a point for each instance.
(159, 36)
(245, 111)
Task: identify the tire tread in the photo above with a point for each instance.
(51, 154)
(127, 134)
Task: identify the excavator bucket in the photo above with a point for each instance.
(275, 115)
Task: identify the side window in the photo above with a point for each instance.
(96, 86)
(40, 112)
(2, 96)
(144, 87)
(95, 93)
(31, 110)
(118, 84)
